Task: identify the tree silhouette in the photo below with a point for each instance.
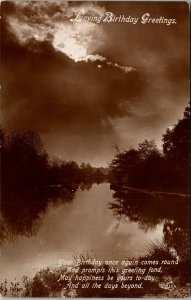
(176, 147)
(148, 167)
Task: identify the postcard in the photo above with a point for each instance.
(95, 149)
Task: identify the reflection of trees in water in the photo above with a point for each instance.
(22, 210)
(30, 180)
(87, 185)
(148, 211)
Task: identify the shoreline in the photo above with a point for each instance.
(115, 186)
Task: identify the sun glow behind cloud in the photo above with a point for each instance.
(78, 40)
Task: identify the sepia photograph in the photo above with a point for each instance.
(95, 149)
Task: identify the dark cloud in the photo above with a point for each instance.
(160, 53)
(82, 108)
(45, 90)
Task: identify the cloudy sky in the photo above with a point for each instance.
(85, 85)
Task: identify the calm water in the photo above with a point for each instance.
(96, 220)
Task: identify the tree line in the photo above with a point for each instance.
(26, 165)
(31, 180)
(148, 167)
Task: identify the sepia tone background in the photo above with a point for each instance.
(95, 145)
(79, 108)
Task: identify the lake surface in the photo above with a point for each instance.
(97, 221)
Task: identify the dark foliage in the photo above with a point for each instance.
(150, 168)
(30, 181)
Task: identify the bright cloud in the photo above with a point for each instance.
(78, 40)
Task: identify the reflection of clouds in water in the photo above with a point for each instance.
(84, 224)
(155, 216)
(22, 213)
(127, 236)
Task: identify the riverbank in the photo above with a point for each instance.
(81, 279)
(116, 186)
